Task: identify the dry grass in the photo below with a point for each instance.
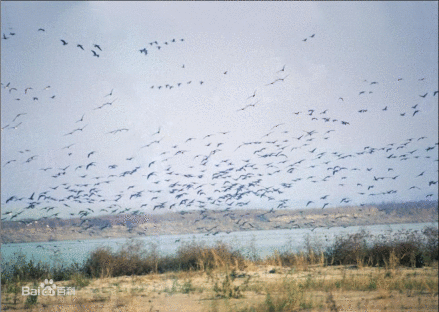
(216, 278)
(311, 288)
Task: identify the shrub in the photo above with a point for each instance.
(348, 250)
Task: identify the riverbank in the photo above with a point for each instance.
(394, 273)
(257, 288)
(213, 221)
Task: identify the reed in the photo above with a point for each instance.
(134, 259)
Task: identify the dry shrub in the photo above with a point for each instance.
(100, 263)
(349, 250)
(197, 257)
(301, 262)
(431, 246)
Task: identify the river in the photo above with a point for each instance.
(250, 243)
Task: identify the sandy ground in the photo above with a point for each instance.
(195, 291)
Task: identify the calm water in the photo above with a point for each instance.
(264, 242)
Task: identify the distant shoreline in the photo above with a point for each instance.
(212, 222)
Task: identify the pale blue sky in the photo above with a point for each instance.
(355, 43)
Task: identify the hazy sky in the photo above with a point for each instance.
(238, 50)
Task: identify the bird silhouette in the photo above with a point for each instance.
(80, 46)
(18, 116)
(97, 47)
(82, 118)
(423, 96)
(94, 53)
(64, 42)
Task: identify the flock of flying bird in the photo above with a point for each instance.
(209, 181)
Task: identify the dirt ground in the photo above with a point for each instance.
(340, 288)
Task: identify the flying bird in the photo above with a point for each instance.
(110, 94)
(283, 69)
(82, 118)
(254, 94)
(97, 47)
(94, 53)
(9, 161)
(64, 42)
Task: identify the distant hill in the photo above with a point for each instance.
(213, 221)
